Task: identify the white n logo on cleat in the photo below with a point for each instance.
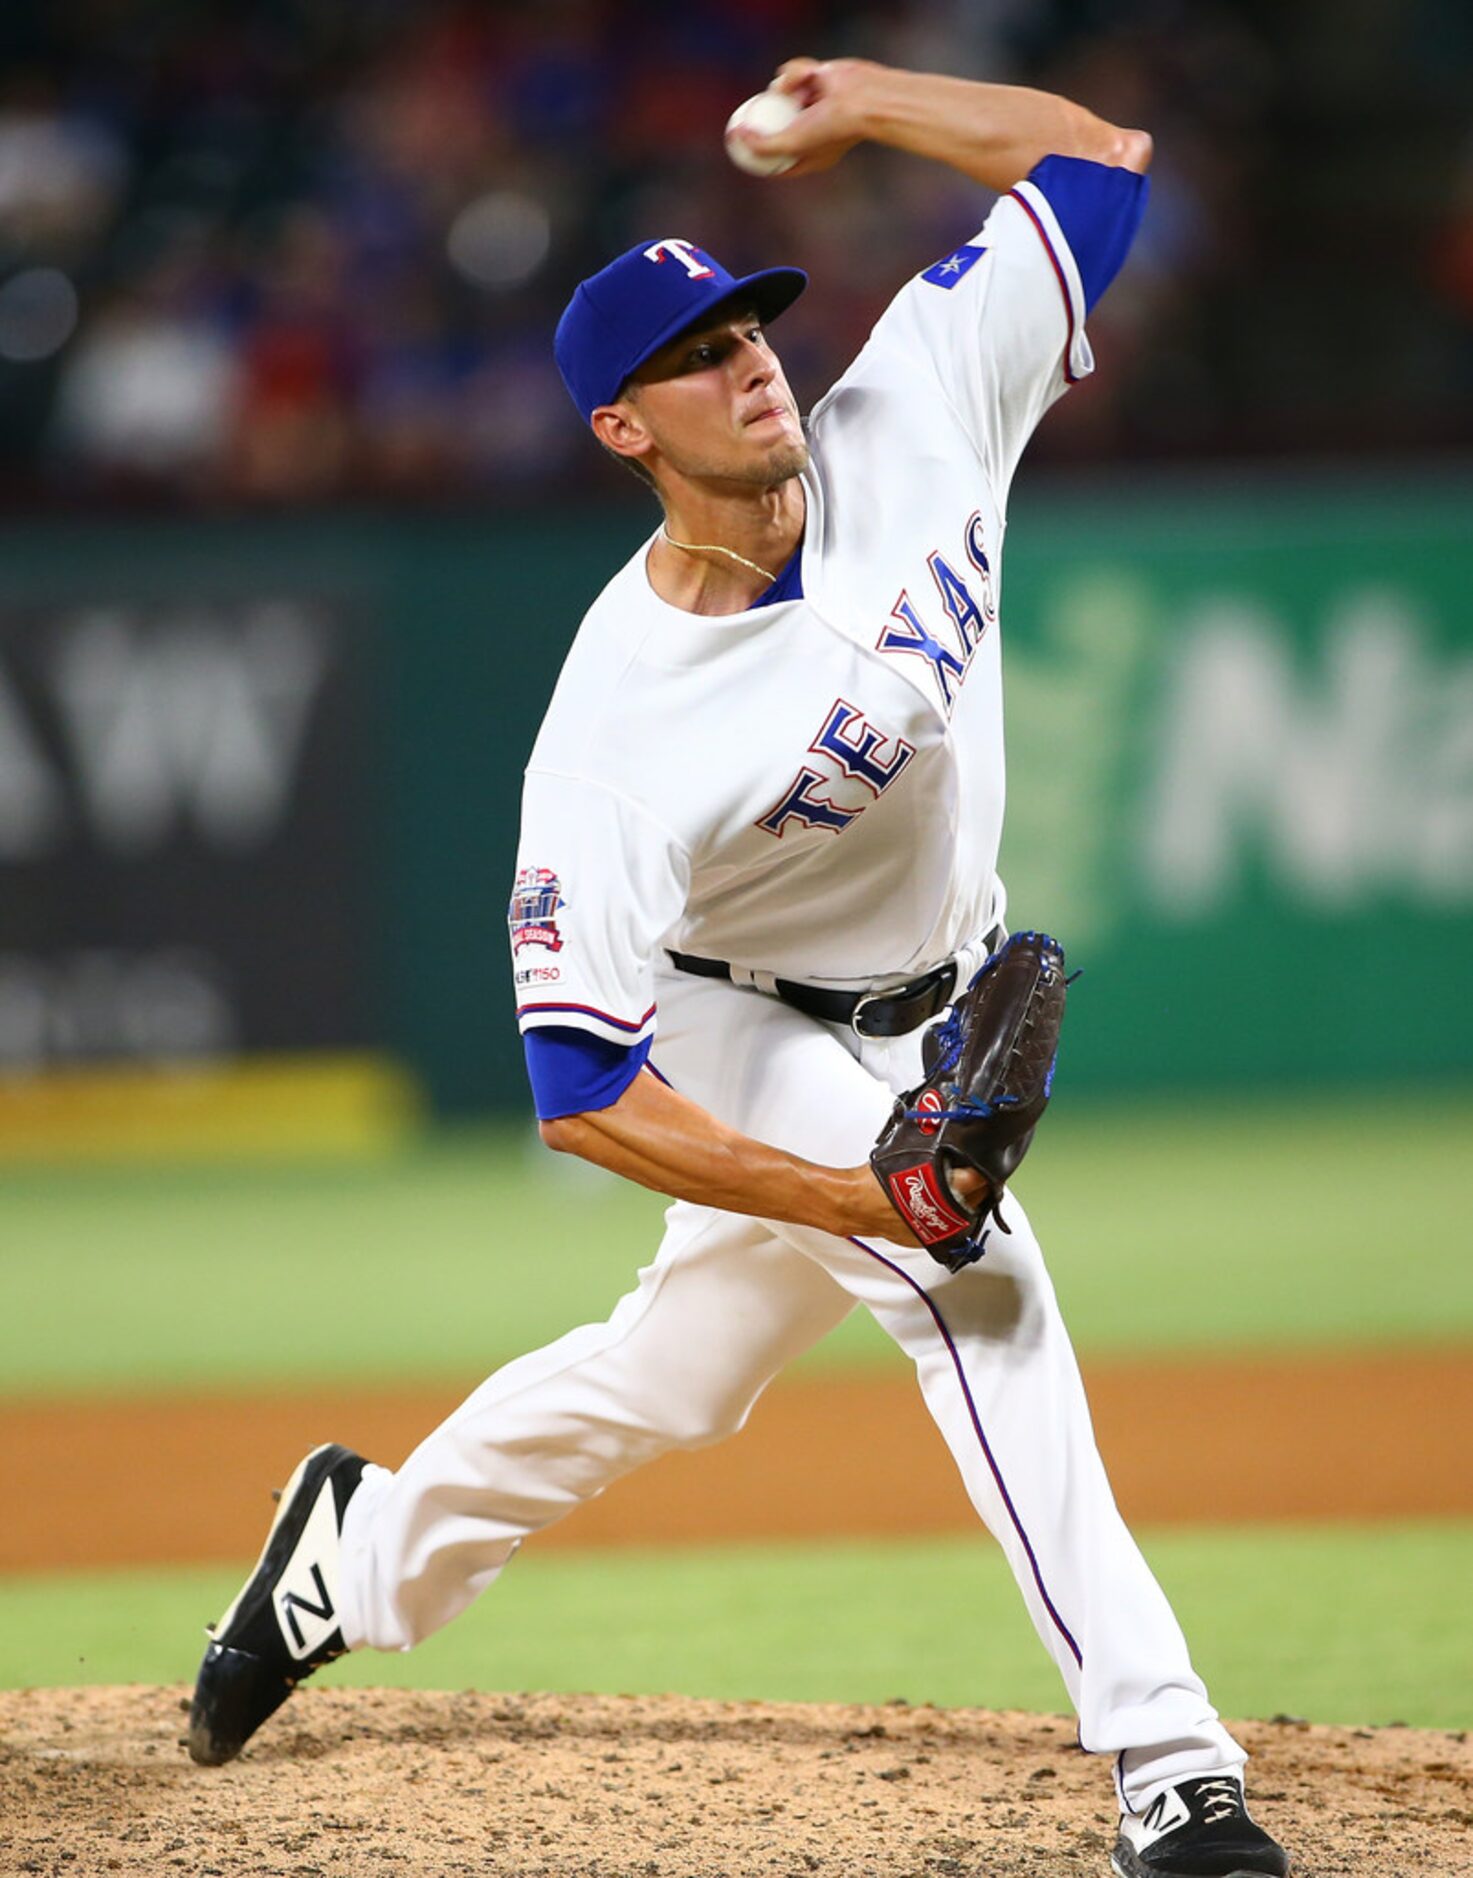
(305, 1595)
(293, 1601)
(1165, 1813)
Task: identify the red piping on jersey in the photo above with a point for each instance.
(589, 1010)
(1070, 376)
(1007, 1499)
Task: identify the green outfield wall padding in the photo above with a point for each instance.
(1240, 725)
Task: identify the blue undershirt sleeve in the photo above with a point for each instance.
(572, 1072)
(1099, 209)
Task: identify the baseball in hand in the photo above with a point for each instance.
(767, 113)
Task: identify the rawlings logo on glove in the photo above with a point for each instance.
(989, 1070)
(916, 1193)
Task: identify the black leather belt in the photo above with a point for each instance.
(868, 1013)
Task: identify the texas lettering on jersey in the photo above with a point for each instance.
(907, 632)
(851, 749)
(850, 745)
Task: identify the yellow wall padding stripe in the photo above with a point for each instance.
(357, 1103)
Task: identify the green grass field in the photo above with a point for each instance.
(1355, 1625)
(1166, 1227)
(1169, 1227)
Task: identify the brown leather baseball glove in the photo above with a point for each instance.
(989, 1070)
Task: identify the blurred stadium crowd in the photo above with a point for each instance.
(290, 251)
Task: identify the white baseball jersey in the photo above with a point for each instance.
(813, 788)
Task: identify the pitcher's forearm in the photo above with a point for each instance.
(662, 1140)
(993, 133)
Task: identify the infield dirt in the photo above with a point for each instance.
(1365, 1436)
(438, 1785)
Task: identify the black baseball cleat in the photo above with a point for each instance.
(1197, 1829)
(283, 1623)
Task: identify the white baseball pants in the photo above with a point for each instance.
(726, 1304)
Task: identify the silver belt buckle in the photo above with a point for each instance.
(860, 1005)
(874, 997)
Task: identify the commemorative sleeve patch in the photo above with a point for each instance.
(950, 268)
(536, 901)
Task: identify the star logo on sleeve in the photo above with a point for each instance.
(948, 271)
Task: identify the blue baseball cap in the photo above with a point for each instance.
(620, 316)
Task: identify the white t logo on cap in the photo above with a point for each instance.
(685, 254)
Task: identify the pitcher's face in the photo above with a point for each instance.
(715, 406)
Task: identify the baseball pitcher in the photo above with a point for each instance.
(759, 952)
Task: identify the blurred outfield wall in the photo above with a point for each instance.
(259, 781)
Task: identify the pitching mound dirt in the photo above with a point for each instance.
(436, 1785)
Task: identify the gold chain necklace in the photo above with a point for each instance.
(714, 547)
